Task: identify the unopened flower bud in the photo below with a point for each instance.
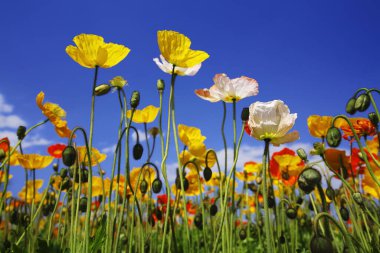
(83, 204)
(302, 154)
(350, 106)
(333, 137)
(362, 102)
(358, 198)
(143, 186)
(291, 213)
(243, 234)
(154, 131)
(198, 221)
(157, 185)
(245, 114)
(207, 173)
(55, 167)
(213, 209)
(69, 156)
(102, 89)
(309, 179)
(2, 154)
(135, 99)
(330, 193)
(21, 130)
(373, 118)
(319, 148)
(321, 244)
(160, 85)
(344, 213)
(138, 151)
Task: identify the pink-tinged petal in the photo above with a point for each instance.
(205, 94)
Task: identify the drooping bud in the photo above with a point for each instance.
(358, 198)
(55, 167)
(344, 213)
(83, 204)
(245, 114)
(160, 85)
(302, 154)
(2, 154)
(213, 209)
(207, 173)
(242, 234)
(330, 193)
(138, 150)
(291, 213)
(309, 179)
(69, 155)
(143, 186)
(320, 244)
(157, 185)
(135, 99)
(154, 131)
(333, 137)
(21, 130)
(362, 102)
(102, 89)
(373, 118)
(198, 221)
(350, 106)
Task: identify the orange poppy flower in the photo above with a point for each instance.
(362, 127)
(56, 150)
(285, 165)
(338, 160)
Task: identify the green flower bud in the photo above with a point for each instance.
(291, 213)
(333, 137)
(2, 154)
(362, 102)
(102, 89)
(213, 209)
(69, 155)
(319, 148)
(344, 213)
(302, 154)
(55, 167)
(143, 186)
(154, 131)
(242, 234)
(309, 179)
(135, 99)
(330, 193)
(138, 150)
(198, 221)
(282, 239)
(21, 130)
(160, 85)
(83, 204)
(157, 185)
(373, 118)
(252, 187)
(320, 244)
(207, 173)
(118, 82)
(358, 198)
(245, 114)
(158, 213)
(350, 106)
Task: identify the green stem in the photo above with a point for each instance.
(92, 116)
(224, 137)
(268, 236)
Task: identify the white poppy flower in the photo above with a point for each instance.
(229, 90)
(168, 67)
(272, 120)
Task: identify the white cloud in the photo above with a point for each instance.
(254, 153)
(29, 141)
(141, 135)
(4, 107)
(11, 121)
(109, 150)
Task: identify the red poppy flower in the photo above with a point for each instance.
(56, 150)
(162, 199)
(4, 144)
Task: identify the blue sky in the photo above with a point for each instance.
(312, 55)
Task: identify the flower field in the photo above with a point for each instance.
(325, 200)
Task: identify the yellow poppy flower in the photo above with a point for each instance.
(146, 115)
(118, 82)
(245, 176)
(175, 48)
(149, 174)
(318, 125)
(34, 161)
(8, 195)
(2, 176)
(193, 189)
(290, 164)
(97, 187)
(55, 114)
(92, 51)
(192, 138)
(373, 145)
(36, 196)
(369, 185)
(96, 156)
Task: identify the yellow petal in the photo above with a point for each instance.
(115, 54)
